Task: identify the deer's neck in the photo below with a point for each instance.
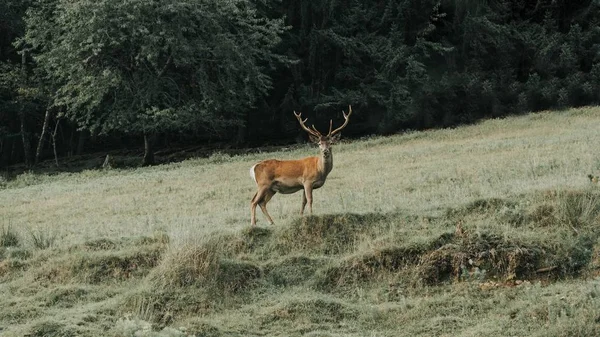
(325, 163)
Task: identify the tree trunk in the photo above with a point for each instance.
(40, 145)
(149, 139)
(24, 136)
(54, 142)
(241, 135)
(83, 135)
(26, 143)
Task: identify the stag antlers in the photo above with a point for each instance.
(316, 132)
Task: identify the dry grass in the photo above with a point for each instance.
(490, 229)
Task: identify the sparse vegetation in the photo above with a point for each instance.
(8, 237)
(42, 238)
(486, 230)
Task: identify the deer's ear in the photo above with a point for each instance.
(335, 138)
(314, 139)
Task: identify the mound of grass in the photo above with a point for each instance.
(327, 234)
(93, 267)
(204, 266)
(248, 240)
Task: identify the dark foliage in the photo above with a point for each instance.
(236, 74)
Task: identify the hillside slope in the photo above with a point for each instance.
(490, 229)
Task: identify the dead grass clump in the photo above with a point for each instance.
(10, 266)
(542, 215)
(497, 255)
(13, 259)
(327, 234)
(437, 266)
(464, 263)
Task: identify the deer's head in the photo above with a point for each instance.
(324, 141)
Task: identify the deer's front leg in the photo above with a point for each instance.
(303, 202)
(307, 198)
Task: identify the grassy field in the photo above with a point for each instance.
(485, 230)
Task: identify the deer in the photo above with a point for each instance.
(290, 176)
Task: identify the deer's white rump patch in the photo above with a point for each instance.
(252, 173)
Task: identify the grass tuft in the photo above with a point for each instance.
(8, 237)
(42, 239)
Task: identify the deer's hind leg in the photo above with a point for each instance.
(262, 196)
(263, 204)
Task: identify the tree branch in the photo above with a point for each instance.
(162, 71)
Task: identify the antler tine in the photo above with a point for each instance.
(315, 129)
(312, 132)
(346, 117)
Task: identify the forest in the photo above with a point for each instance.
(82, 76)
